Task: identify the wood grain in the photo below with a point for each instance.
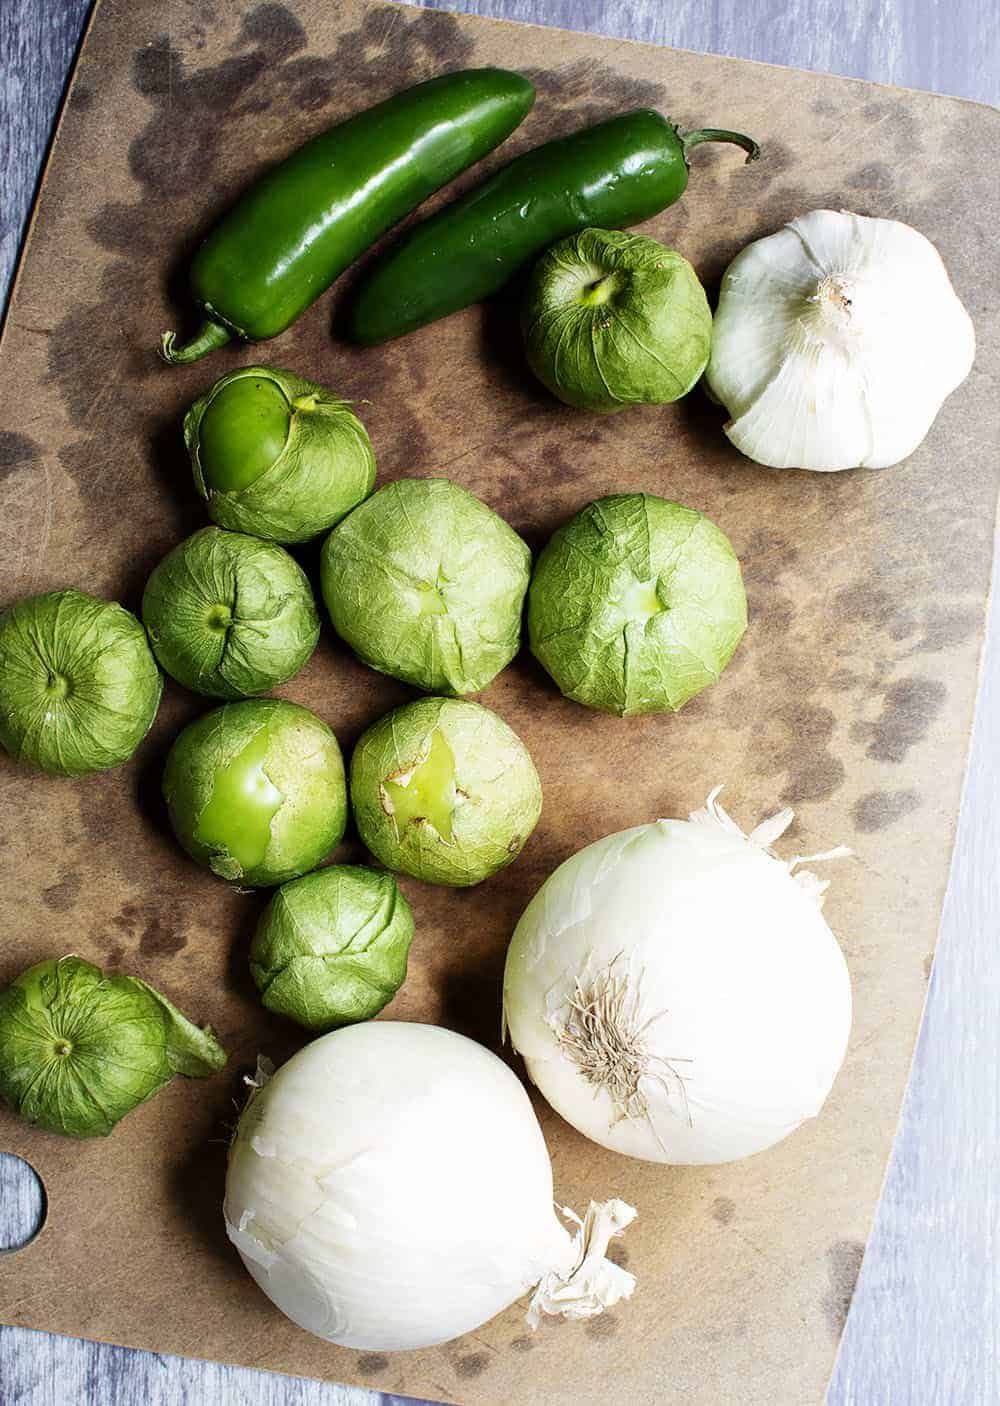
(37, 44)
(22, 1203)
(924, 1322)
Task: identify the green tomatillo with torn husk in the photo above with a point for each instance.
(636, 605)
(276, 455)
(331, 948)
(426, 583)
(256, 791)
(612, 319)
(444, 790)
(80, 1048)
(79, 687)
(229, 615)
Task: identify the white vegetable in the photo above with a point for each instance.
(835, 343)
(389, 1188)
(676, 993)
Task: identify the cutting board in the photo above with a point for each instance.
(850, 699)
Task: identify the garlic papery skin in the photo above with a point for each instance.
(390, 1188)
(835, 343)
(676, 993)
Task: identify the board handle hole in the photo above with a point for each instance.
(23, 1203)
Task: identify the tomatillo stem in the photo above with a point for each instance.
(209, 337)
(719, 134)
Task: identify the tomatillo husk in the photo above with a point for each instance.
(79, 687)
(444, 790)
(612, 319)
(256, 791)
(277, 456)
(636, 604)
(80, 1048)
(331, 948)
(229, 615)
(427, 583)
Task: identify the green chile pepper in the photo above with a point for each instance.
(309, 218)
(611, 175)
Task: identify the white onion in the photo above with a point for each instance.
(390, 1188)
(676, 993)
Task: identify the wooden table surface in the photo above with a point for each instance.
(924, 1326)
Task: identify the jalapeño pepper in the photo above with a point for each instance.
(307, 219)
(611, 175)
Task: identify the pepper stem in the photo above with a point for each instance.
(209, 337)
(719, 134)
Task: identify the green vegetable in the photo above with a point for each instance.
(79, 687)
(256, 791)
(636, 605)
(613, 319)
(277, 456)
(79, 1049)
(444, 790)
(229, 615)
(331, 948)
(426, 583)
(307, 219)
(617, 173)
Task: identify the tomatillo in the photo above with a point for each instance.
(229, 615)
(80, 1048)
(636, 605)
(256, 791)
(79, 687)
(331, 948)
(277, 456)
(444, 790)
(612, 319)
(426, 583)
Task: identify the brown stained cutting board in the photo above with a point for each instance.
(851, 697)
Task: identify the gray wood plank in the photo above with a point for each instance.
(22, 1203)
(945, 48)
(924, 1326)
(45, 1370)
(37, 43)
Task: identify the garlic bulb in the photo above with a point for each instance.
(676, 993)
(835, 343)
(389, 1188)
